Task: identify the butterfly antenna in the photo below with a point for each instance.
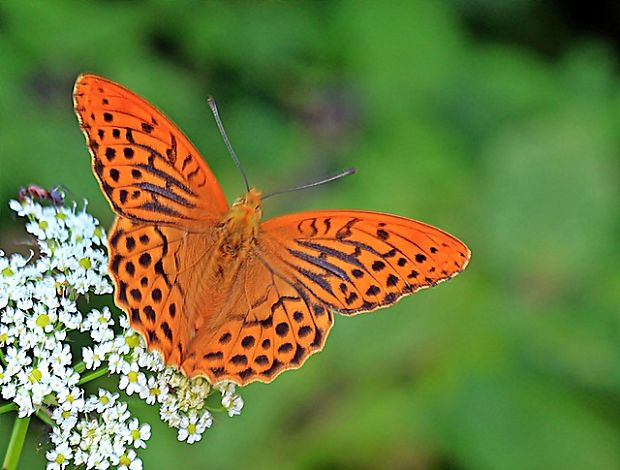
(347, 172)
(220, 126)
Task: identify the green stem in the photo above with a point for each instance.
(93, 375)
(215, 409)
(7, 407)
(44, 416)
(16, 444)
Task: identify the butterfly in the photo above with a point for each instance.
(218, 292)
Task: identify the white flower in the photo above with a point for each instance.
(123, 322)
(191, 428)
(46, 293)
(60, 357)
(71, 400)
(42, 319)
(98, 319)
(6, 335)
(116, 413)
(23, 400)
(128, 461)
(102, 334)
(226, 387)
(93, 357)
(129, 342)
(154, 391)
(65, 418)
(36, 382)
(169, 413)
(150, 360)
(138, 434)
(116, 363)
(233, 404)
(98, 460)
(59, 457)
(132, 380)
(17, 206)
(9, 390)
(42, 228)
(68, 313)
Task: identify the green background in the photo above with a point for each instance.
(496, 121)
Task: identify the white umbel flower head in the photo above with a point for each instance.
(39, 371)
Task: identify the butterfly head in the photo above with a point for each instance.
(245, 214)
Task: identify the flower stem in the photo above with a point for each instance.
(7, 407)
(93, 375)
(215, 409)
(44, 416)
(16, 444)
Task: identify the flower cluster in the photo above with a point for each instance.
(41, 374)
(38, 303)
(103, 437)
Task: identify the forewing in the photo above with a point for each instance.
(147, 168)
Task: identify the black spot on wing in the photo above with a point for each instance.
(382, 234)
(166, 330)
(149, 312)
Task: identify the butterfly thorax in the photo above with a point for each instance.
(239, 228)
(235, 238)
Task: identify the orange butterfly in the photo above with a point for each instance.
(220, 293)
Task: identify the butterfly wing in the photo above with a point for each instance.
(306, 265)
(167, 201)
(157, 271)
(358, 261)
(272, 324)
(147, 168)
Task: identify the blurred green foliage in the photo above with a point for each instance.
(513, 365)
